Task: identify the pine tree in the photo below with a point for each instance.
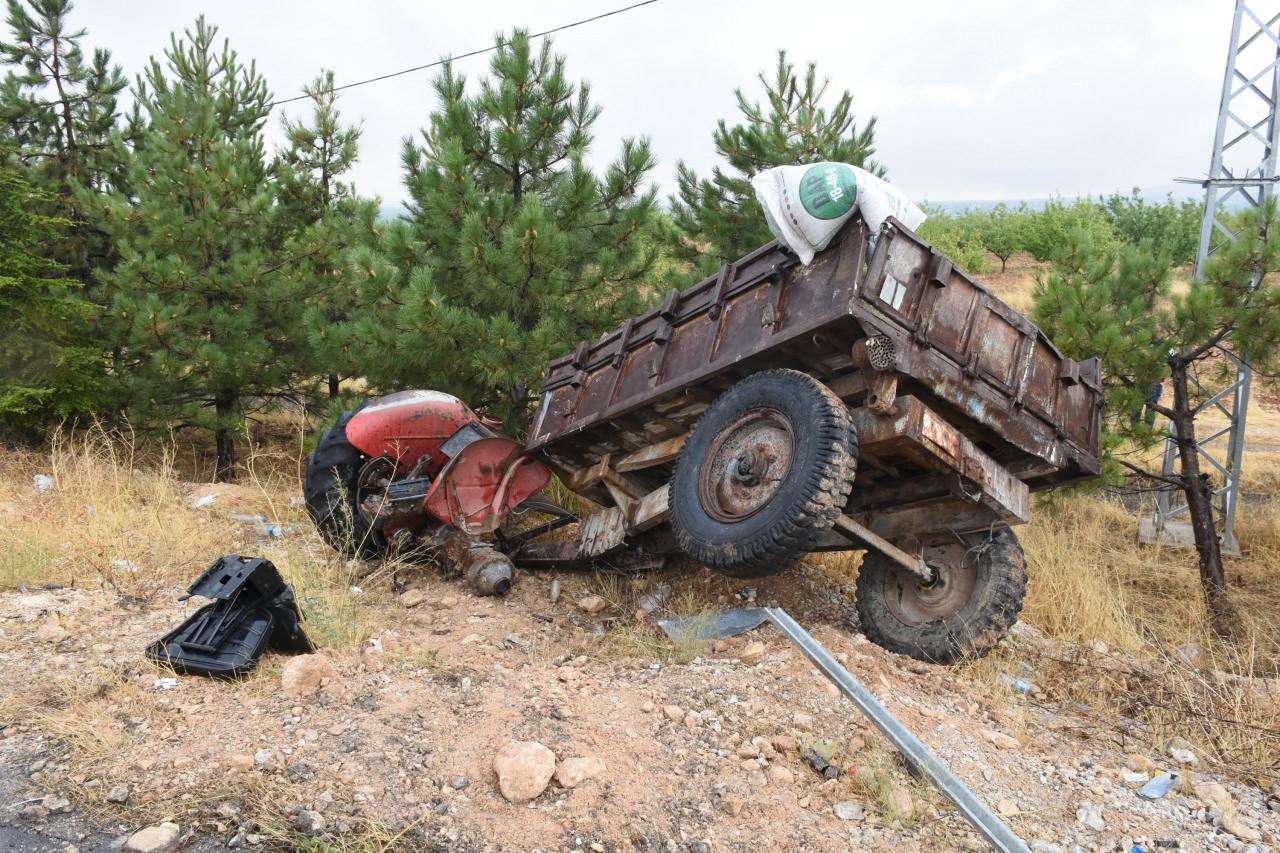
(1117, 303)
(203, 291)
(719, 220)
(46, 367)
(315, 198)
(513, 249)
(58, 110)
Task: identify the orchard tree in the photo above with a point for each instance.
(318, 200)
(1117, 303)
(46, 366)
(513, 249)
(58, 110)
(718, 218)
(1001, 233)
(1167, 228)
(203, 291)
(1044, 232)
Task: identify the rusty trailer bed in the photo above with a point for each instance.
(986, 410)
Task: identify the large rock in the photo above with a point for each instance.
(154, 839)
(306, 675)
(1233, 824)
(524, 768)
(574, 771)
(1213, 794)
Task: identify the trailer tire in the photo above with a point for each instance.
(987, 573)
(330, 491)
(766, 470)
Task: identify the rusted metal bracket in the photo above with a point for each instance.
(856, 532)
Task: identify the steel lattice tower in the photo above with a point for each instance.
(1242, 172)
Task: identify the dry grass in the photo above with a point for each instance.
(632, 632)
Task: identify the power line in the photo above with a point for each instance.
(482, 50)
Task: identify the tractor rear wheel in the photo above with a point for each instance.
(331, 490)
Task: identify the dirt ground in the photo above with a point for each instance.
(396, 752)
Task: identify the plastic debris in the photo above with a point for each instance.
(1019, 685)
(166, 683)
(43, 483)
(126, 566)
(252, 609)
(555, 590)
(1160, 785)
(651, 601)
(203, 501)
(819, 764)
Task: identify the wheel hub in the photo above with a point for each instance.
(746, 465)
(914, 602)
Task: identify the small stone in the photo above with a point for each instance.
(784, 744)
(55, 804)
(524, 768)
(1002, 740)
(900, 801)
(1090, 817)
(1139, 763)
(1183, 756)
(849, 810)
(592, 604)
(647, 707)
(309, 822)
(457, 783)
(732, 805)
(412, 598)
(748, 750)
(1007, 808)
(780, 774)
(264, 758)
(240, 762)
(674, 713)
(802, 721)
(1045, 847)
(572, 772)
(305, 675)
(153, 839)
(51, 631)
(1233, 824)
(118, 794)
(752, 653)
(1213, 794)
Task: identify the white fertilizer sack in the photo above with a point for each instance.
(806, 205)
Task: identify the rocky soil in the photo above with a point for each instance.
(472, 723)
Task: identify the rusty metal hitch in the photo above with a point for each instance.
(863, 535)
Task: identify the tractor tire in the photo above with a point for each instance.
(982, 580)
(766, 470)
(330, 489)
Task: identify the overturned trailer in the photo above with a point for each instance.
(878, 399)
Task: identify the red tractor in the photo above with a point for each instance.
(415, 469)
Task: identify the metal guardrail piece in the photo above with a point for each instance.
(733, 622)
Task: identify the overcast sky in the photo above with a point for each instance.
(981, 99)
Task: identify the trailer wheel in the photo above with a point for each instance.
(766, 470)
(982, 579)
(331, 489)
